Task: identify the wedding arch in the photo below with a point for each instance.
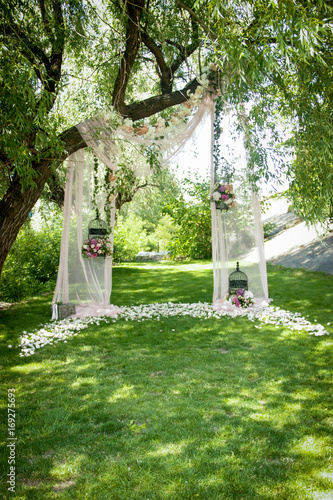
(85, 281)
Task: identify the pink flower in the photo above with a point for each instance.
(240, 291)
(236, 302)
(221, 189)
(88, 254)
(97, 248)
(94, 255)
(93, 242)
(88, 248)
(142, 130)
(225, 197)
(129, 130)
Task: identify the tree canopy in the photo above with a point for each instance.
(63, 60)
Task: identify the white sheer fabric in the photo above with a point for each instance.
(86, 282)
(236, 234)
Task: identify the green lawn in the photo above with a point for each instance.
(180, 408)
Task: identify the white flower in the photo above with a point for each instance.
(203, 80)
(160, 122)
(248, 294)
(128, 123)
(68, 328)
(216, 196)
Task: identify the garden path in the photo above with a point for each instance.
(298, 246)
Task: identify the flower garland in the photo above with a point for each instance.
(161, 127)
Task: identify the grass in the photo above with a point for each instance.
(180, 408)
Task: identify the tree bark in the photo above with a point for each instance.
(148, 107)
(15, 207)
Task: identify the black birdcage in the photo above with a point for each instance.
(237, 280)
(97, 227)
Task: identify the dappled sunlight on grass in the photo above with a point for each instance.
(168, 449)
(313, 445)
(177, 408)
(125, 392)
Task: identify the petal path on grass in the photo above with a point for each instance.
(56, 331)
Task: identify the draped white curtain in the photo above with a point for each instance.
(236, 234)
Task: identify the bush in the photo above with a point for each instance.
(32, 264)
(130, 238)
(192, 238)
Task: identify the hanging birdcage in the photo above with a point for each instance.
(237, 280)
(97, 227)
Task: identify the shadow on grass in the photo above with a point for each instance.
(175, 409)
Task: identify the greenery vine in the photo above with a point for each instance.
(223, 171)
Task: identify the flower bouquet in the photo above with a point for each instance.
(224, 196)
(96, 247)
(242, 298)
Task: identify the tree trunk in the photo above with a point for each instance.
(17, 203)
(15, 207)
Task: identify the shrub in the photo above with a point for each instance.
(32, 264)
(129, 238)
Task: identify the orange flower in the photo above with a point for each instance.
(142, 130)
(112, 177)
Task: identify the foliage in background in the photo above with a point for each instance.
(148, 203)
(191, 213)
(32, 264)
(141, 225)
(64, 60)
(130, 238)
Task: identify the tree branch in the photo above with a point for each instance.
(198, 19)
(44, 17)
(187, 50)
(166, 84)
(134, 10)
(148, 107)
